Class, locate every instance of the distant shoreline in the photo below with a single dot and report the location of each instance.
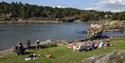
(29, 22)
(21, 21)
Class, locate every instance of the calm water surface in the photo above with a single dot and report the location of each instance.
(12, 33)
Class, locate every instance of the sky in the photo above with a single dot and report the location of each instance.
(99, 5)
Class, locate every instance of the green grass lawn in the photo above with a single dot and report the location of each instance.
(61, 54)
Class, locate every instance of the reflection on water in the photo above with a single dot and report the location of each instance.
(12, 33)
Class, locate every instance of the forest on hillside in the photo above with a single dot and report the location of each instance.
(18, 10)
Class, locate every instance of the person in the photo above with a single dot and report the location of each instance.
(92, 46)
(37, 44)
(28, 44)
(107, 43)
(101, 44)
(96, 45)
(20, 50)
(85, 47)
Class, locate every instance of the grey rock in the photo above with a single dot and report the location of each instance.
(104, 59)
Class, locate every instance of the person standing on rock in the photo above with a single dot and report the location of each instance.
(28, 44)
(37, 44)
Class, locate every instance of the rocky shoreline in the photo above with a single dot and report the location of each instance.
(6, 52)
(47, 42)
(11, 49)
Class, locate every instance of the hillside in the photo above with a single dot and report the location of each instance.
(24, 12)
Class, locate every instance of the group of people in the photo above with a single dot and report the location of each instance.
(20, 49)
(89, 46)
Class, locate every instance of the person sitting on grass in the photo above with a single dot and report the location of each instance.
(92, 47)
(101, 44)
(107, 43)
(20, 50)
(96, 45)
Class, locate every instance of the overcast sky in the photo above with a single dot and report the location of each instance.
(100, 5)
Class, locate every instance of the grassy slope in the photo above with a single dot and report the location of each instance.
(64, 55)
